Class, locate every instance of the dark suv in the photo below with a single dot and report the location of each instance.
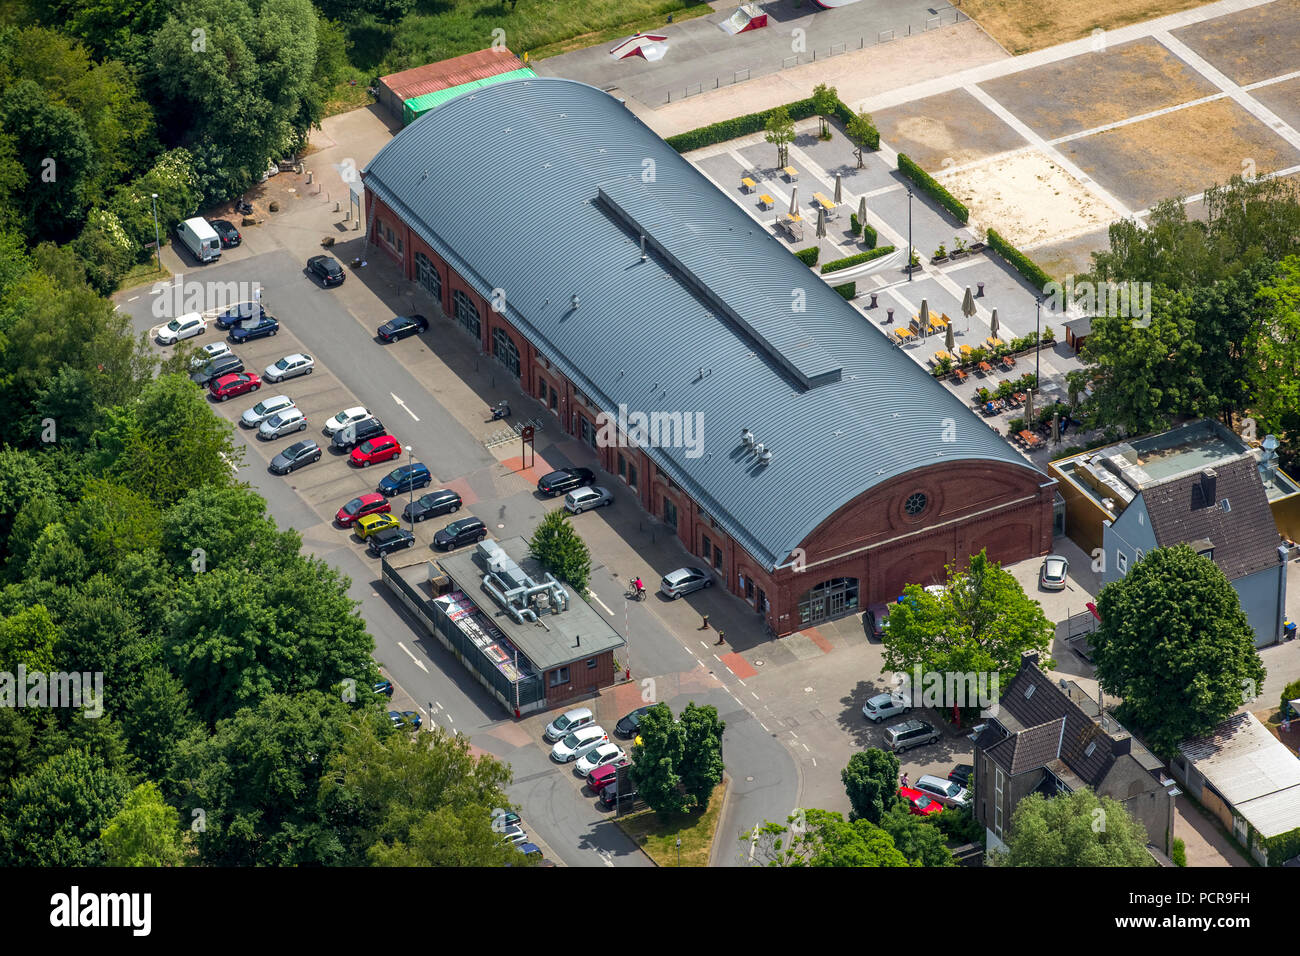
(460, 533)
(565, 480)
(388, 540)
(218, 367)
(350, 436)
(441, 502)
(238, 314)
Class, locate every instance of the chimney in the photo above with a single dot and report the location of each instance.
(1119, 746)
(1031, 658)
(1209, 485)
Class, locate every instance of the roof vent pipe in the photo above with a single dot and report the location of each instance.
(643, 255)
(747, 437)
(761, 449)
(575, 300)
(765, 456)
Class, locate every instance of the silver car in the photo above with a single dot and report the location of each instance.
(1052, 575)
(684, 581)
(584, 499)
(289, 367)
(281, 424)
(886, 705)
(947, 792)
(264, 410)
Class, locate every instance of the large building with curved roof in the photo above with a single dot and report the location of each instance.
(817, 468)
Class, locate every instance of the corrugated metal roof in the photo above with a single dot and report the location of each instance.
(447, 73)
(417, 106)
(503, 182)
(1245, 763)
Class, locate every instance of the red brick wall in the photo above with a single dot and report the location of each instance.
(581, 679)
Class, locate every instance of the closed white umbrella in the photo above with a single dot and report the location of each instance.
(794, 200)
(993, 322)
(950, 340)
(924, 318)
(862, 216)
(821, 223)
(968, 306)
(839, 188)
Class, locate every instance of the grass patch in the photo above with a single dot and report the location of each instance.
(1022, 26)
(618, 31)
(346, 97)
(659, 837)
(141, 274)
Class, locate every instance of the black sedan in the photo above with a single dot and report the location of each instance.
(961, 774)
(441, 502)
(247, 331)
(245, 310)
(396, 329)
(565, 480)
(627, 726)
(227, 233)
(388, 540)
(327, 269)
(295, 456)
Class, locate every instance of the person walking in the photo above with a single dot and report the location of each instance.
(902, 781)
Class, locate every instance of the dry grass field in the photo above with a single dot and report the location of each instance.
(1022, 26)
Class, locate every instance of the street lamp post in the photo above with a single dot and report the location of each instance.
(909, 234)
(1038, 340)
(410, 486)
(157, 237)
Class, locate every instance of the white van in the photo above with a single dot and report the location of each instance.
(200, 238)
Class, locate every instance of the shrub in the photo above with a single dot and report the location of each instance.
(738, 126)
(1015, 425)
(869, 236)
(1019, 261)
(809, 256)
(931, 187)
(1048, 334)
(1290, 692)
(837, 264)
(858, 126)
(848, 289)
(1179, 852)
(940, 253)
(855, 227)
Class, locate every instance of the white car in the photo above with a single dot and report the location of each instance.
(289, 367)
(1052, 575)
(186, 326)
(264, 410)
(282, 423)
(598, 757)
(584, 499)
(514, 834)
(349, 416)
(213, 350)
(947, 792)
(882, 706)
(577, 744)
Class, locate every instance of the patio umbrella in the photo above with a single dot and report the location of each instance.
(839, 188)
(950, 340)
(1029, 409)
(924, 318)
(821, 222)
(993, 322)
(794, 200)
(968, 307)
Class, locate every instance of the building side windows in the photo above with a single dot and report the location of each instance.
(559, 676)
(997, 802)
(1121, 562)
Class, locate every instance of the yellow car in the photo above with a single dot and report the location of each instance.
(369, 524)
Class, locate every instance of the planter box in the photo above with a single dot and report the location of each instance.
(935, 259)
(976, 247)
(958, 255)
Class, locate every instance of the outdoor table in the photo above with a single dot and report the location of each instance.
(960, 374)
(985, 367)
(902, 333)
(993, 342)
(748, 184)
(941, 355)
(967, 350)
(791, 174)
(1008, 361)
(937, 323)
(766, 201)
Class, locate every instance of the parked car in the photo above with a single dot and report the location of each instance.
(233, 316)
(876, 621)
(327, 269)
(227, 233)
(609, 794)
(578, 743)
(1051, 577)
(597, 757)
(264, 410)
(282, 423)
(350, 436)
(564, 480)
(385, 542)
(568, 722)
(628, 723)
(684, 581)
(349, 416)
(295, 456)
(373, 524)
(218, 367)
(182, 327)
(961, 774)
(529, 849)
(918, 803)
(198, 236)
(584, 499)
(460, 533)
(603, 775)
(384, 687)
(401, 480)
(371, 503)
(409, 719)
(945, 791)
(882, 706)
(291, 366)
(444, 501)
(504, 818)
(229, 386)
(383, 448)
(254, 329)
(208, 353)
(400, 327)
(909, 734)
(515, 834)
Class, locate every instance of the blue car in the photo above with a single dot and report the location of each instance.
(259, 329)
(232, 317)
(404, 479)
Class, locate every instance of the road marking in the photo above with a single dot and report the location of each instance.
(418, 663)
(743, 684)
(764, 726)
(591, 594)
(814, 761)
(403, 406)
(752, 694)
(794, 735)
(604, 855)
(133, 298)
(804, 746)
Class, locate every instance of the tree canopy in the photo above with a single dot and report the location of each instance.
(1074, 829)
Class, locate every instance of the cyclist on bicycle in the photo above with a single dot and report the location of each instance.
(640, 588)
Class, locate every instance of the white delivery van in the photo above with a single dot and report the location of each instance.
(200, 238)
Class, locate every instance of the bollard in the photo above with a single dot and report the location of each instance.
(309, 175)
(980, 293)
(873, 301)
(890, 316)
(337, 206)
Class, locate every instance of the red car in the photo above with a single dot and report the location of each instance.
(228, 386)
(370, 503)
(603, 775)
(919, 803)
(380, 448)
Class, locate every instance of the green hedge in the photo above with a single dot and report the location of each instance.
(809, 256)
(757, 123)
(848, 289)
(869, 236)
(1019, 261)
(930, 186)
(838, 264)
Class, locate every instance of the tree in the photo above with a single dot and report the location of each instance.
(102, 632)
(1275, 359)
(111, 520)
(560, 550)
(657, 759)
(919, 840)
(825, 100)
(780, 133)
(821, 838)
(981, 625)
(145, 832)
(871, 779)
(862, 131)
(1176, 645)
(53, 816)
(225, 525)
(27, 640)
(1074, 829)
(701, 764)
(57, 158)
(156, 719)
